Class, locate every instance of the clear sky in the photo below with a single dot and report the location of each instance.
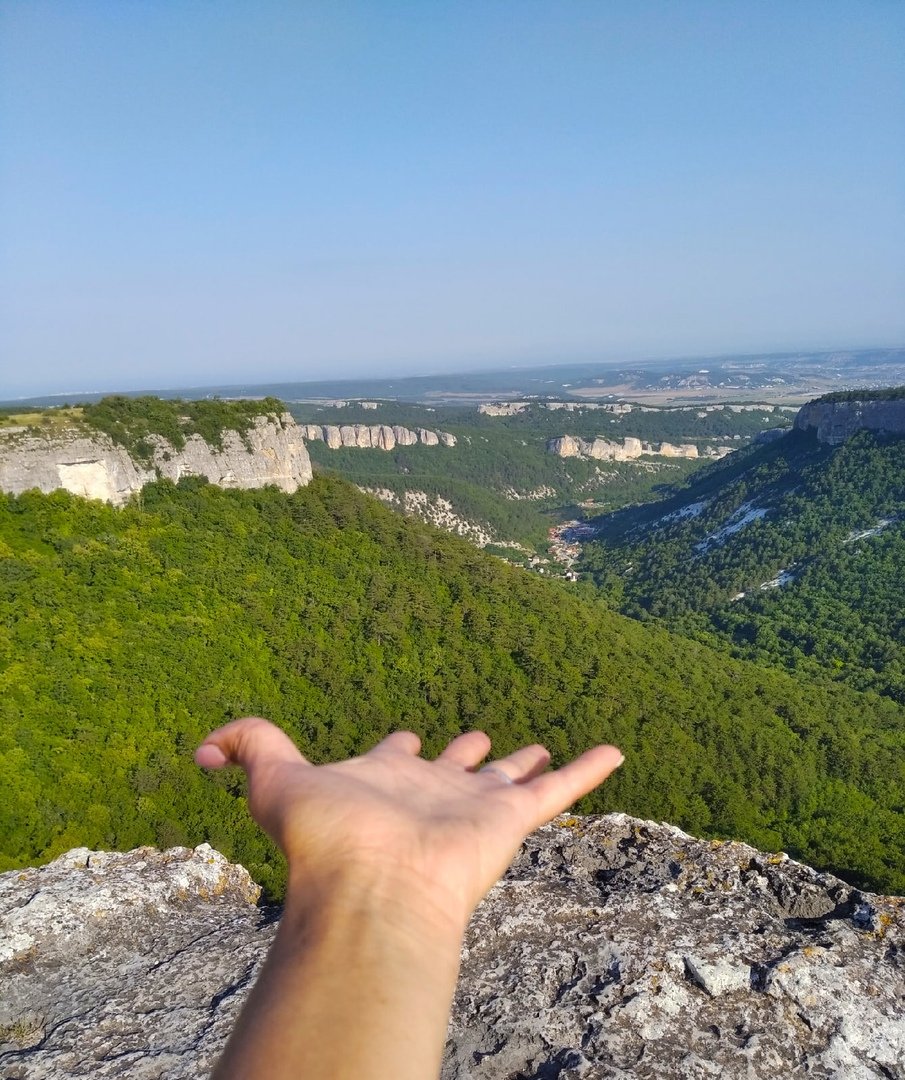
(204, 190)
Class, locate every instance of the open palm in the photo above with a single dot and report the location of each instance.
(445, 829)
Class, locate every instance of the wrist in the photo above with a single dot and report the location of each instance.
(384, 899)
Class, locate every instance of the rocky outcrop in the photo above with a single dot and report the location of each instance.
(619, 408)
(503, 408)
(771, 435)
(271, 452)
(437, 511)
(836, 421)
(614, 949)
(628, 449)
(375, 437)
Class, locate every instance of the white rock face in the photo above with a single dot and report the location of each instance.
(275, 454)
(629, 449)
(272, 452)
(376, 437)
(94, 468)
(614, 949)
(684, 450)
(71, 896)
(836, 421)
(503, 408)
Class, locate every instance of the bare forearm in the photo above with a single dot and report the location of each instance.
(350, 991)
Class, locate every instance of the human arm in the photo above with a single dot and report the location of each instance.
(388, 854)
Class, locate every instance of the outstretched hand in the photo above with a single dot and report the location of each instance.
(443, 831)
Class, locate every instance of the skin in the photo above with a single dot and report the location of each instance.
(388, 856)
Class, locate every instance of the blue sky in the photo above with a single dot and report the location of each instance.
(195, 191)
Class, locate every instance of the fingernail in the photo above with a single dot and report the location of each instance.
(620, 761)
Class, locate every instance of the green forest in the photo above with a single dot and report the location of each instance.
(500, 474)
(833, 526)
(127, 634)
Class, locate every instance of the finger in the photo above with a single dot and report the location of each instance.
(466, 750)
(248, 742)
(555, 791)
(399, 742)
(522, 765)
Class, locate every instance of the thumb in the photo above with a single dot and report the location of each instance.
(249, 742)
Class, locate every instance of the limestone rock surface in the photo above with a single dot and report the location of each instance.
(436, 510)
(271, 452)
(836, 421)
(614, 948)
(629, 449)
(375, 437)
(503, 408)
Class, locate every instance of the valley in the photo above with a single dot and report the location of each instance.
(515, 471)
(788, 553)
(762, 644)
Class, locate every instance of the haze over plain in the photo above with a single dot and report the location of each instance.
(203, 194)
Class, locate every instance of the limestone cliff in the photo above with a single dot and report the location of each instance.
(836, 421)
(90, 464)
(614, 949)
(627, 450)
(375, 436)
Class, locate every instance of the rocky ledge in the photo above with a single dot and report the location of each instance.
(375, 436)
(272, 451)
(628, 449)
(614, 948)
(836, 421)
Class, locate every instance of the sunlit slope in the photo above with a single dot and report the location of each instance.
(792, 554)
(127, 634)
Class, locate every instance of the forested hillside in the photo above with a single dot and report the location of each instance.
(127, 634)
(792, 553)
(500, 474)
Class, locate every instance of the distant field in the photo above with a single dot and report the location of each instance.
(45, 418)
(710, 395)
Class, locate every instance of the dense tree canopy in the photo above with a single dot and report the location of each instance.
(889, 393)
(814, 584)
(126, 634)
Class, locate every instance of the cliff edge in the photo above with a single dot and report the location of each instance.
(614, 948)
(834, 421)
(271, 451)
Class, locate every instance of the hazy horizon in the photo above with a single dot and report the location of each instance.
(264, 193)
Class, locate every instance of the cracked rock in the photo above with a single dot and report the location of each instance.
(614, 949)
